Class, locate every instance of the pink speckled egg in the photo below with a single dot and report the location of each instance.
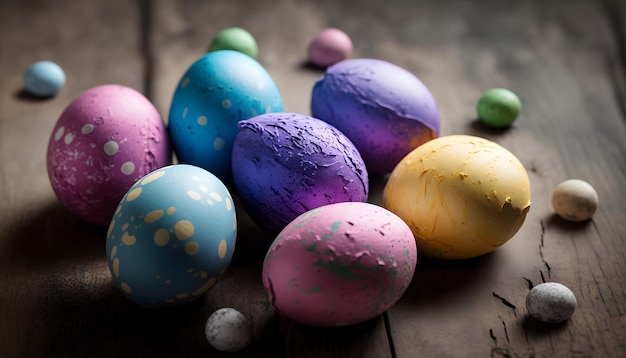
(104, 141)
(340, 264)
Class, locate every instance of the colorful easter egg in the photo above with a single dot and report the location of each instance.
(340, 264)
(172, 236)
(103, 142)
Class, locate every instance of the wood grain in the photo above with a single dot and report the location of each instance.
(565, 59)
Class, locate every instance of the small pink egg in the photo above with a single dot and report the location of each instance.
(328, 47)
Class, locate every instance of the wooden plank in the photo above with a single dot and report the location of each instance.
(182, 33)
(564, 59)
(57, 296)
(571, 127)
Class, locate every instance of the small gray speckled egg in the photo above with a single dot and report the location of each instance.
(575, 200)
(228, 330)
(551, 302)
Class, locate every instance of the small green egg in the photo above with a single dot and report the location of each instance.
(498, 107)
(237, 39)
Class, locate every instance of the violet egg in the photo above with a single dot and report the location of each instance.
(218, 90)
(172, 236)
(103, 142)
(340, 264)
(285, 164)
(385, 110)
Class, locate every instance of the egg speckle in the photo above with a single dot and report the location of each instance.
(340, 264)
(575, 200)
(463, 196)
(165, 248)
(551, 302)
(228, 330)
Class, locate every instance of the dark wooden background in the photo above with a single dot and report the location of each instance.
(565, 59)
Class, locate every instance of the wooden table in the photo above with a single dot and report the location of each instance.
(565, 59)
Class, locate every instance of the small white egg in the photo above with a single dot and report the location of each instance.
(575, 200)
(551, 302)
(228, 330)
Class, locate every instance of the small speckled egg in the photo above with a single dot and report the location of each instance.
(382, 108)
(498, 107)
(172, 236)
(551, 302)
(575, 200)
(329, 46)
(287, 163)
(237, 39)
(44, 79)
(103, 142)
(463, 196)
(340, 264)
(228, 330)
(217, 91)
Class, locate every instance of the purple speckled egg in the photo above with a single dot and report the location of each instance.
(340, 264)
(104, 141)
(385, 110)
(285, 164)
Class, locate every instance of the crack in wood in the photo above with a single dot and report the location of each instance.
(541, 236)
(530, 283)
(506, 332)
(389, 335)
(147, 51)
(618, 80)
(501, 352)
(493, 337)
(504, 301)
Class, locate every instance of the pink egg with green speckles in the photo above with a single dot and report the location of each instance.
(340, 264)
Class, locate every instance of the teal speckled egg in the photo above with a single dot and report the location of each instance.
(220, 89)
(172, 236)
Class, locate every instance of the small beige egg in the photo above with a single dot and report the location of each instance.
(575, 200)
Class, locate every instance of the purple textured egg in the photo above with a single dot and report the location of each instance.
(285, 164)
(104, 141)
(382, 108)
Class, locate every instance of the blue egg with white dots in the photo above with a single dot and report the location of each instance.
(215, 93)
(172, 236)
(44, 79)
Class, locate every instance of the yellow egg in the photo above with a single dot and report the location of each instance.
(462, 196)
